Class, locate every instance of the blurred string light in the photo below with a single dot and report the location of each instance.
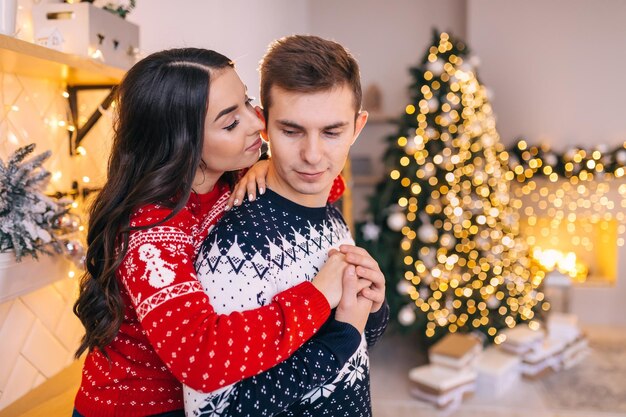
(575, 198)
(466, 266)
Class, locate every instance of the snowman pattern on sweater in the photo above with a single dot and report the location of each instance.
(254, 253)
(159, 273)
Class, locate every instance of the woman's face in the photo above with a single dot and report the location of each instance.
(232, 129)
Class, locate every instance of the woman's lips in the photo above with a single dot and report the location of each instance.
(255, 146)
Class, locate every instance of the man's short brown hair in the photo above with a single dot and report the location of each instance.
(308, 64)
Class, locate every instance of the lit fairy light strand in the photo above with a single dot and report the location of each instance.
(572, 200)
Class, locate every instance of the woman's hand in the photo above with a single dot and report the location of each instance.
(329, 278)
(248, 184)
(367, 269)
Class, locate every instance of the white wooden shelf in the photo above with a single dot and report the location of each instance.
(18, 278)
(25, 58)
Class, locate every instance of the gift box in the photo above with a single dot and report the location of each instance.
(548, 358)
(442, 386)
(522, 340)
(88, 31)
(563, 327)
(575, 352)
(455, 351)
(497, 371)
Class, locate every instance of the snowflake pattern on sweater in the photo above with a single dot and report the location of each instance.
(256, 251)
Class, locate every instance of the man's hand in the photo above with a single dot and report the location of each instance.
(367, 269)
(353, 308)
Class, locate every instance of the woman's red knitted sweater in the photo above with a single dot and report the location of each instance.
(170, 331)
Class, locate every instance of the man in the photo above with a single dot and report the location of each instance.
(311, 95)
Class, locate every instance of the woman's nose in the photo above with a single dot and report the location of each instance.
(256, 124)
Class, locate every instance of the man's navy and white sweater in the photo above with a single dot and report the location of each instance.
(256, 251)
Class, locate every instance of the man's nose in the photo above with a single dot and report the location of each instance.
(311, 151)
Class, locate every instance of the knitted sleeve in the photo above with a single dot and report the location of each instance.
(202, 349)
(271, 392)
(376, 324)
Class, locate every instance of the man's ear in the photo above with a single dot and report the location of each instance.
(359, 124)
(259, 114)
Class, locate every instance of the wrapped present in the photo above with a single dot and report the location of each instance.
(497, 371)
(575, 352)
(456, 351)
(442, 386)
(548, 358)
(522, 340)
(563, 327)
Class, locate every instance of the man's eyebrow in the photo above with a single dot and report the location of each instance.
(226, 111)
(295, 125)
(288, 123)
(336, 125)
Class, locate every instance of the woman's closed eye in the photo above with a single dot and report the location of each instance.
(232, 125)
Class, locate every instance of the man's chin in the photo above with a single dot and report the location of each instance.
(312, 188)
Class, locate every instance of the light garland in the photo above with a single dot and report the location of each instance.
(573, 201)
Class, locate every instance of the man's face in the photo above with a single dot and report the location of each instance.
(310, 135)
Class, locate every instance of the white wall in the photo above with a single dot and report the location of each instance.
(555, 68)
(387, 37)
(239, 29)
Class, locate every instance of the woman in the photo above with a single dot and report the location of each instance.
(184, 119)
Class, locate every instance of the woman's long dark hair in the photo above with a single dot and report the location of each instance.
(157, 149)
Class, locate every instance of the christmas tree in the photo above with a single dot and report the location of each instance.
(443, 224)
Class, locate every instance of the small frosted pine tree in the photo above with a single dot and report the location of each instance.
(27, 216)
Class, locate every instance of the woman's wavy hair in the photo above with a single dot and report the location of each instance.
(157, 149)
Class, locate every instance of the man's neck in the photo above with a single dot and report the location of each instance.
(281, 187)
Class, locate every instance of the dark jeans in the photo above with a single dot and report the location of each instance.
(176, 413)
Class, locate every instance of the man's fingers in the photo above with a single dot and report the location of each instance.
(345, 248)
(363, 283)
(374, 296)
(359, 256)
(375, 277)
